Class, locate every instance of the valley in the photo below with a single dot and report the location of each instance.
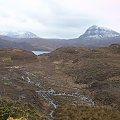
(59, 60)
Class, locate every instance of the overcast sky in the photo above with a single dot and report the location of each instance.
(58, 18)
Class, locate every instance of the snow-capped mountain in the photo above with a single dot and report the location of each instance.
(94, 36)
(96, 32)
(18, 34)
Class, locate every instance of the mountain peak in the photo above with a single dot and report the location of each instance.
(100, 32)
(18, 34)
(94, 26)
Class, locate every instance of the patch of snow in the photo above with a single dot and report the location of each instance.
(100, 32)
(18, 34)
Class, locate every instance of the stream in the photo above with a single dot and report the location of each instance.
(49, 94)
(46, 94)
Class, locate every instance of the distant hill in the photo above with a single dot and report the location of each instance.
(18, 34)
(96, 32)
(17, 54)
(96, 36)
(11, 44)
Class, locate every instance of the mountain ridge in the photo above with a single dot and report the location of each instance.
(94, 36)
(99, 32)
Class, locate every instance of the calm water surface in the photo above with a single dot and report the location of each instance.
(40, 52)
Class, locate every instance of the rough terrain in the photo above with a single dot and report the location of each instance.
(71, 75)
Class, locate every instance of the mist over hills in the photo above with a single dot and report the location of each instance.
(94, 36)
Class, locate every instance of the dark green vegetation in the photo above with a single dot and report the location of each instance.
(77, 112)
(17, 110)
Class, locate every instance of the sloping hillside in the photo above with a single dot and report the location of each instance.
(97, 69)
(73, 75)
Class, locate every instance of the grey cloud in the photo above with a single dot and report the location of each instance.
(56, 18)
